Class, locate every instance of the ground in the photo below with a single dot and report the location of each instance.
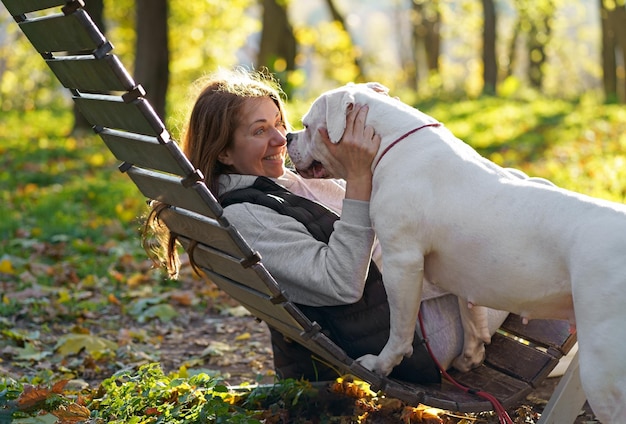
(218, 337)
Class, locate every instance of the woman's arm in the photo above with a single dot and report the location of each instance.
(311, 272)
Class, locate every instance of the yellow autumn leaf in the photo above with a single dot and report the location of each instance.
(64, 296)
(244, 336)
(136, 279)
(6, 267)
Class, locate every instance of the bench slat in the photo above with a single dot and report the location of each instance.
(257, 302)
(551, 334)
(207, 231)
(230, 267)
(63, 33)
(147, 152)
(529, 364)
(88, 73)
(112, 112)
(19, 7)
(169, 189)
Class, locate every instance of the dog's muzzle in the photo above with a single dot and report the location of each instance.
(290, 137)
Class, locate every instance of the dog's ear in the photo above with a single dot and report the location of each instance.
(337, 106)
(377, 87)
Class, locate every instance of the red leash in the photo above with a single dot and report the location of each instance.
(503, 416)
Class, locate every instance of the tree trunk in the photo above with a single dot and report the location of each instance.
(510, 68)
(538, 37)
(433, 37)
(617, 23)
(490, 64)
(426, 36)
(277, 50)
(152, 52)
(609, 63)
(95, 9)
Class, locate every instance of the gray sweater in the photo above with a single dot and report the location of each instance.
(311, 272)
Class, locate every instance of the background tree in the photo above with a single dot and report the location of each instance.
(277, 50)
(152, 51)
(534, 22)
(490, 64)
(613, 23)
(425, 36)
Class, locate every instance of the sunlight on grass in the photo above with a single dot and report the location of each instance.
(578, 146)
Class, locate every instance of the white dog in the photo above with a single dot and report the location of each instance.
(443, 212)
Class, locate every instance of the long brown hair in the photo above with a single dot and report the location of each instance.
(209, 131)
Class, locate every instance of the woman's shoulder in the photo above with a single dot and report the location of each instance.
(230, 182)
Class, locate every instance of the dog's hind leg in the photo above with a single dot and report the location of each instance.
(476, 334)
(599, 301)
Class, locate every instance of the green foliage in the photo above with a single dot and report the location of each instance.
(151, 396)
(148, 395)
(577, 145)
(26, 83)
(332, 51)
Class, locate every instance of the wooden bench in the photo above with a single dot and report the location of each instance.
(519, 357)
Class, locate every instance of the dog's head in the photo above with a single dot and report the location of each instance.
(306, 148)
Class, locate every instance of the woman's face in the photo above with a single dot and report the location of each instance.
(259, 145)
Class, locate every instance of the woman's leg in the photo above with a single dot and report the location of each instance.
(443, 328)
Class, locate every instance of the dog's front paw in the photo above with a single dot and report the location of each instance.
(469, 360)
(374, 364)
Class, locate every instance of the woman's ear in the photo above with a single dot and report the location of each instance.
(225, 158)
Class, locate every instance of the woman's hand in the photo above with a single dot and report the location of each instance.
(356, 151)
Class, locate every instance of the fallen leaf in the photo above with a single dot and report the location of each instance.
(183, 298)
(71, 344)
(6, 266)
(163, 312)
(244, 336)
(33, 397)
(30, 353)
(72, 413)
(59, 386)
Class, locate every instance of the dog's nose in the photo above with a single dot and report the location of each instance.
(289, 138)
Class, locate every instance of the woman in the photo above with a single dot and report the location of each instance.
(325, 263)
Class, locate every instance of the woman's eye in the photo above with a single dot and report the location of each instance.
(259, 131)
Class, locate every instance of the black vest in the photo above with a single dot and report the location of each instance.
(359, 328)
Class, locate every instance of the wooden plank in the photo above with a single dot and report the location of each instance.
(259, 303)
(169, 189)
(507, 389)
(207, 231)
(229, 267)
(19, 7)
(147, 152)
(88, 73)
(61, 33)
(554, 334)
(112, 112)
(530, 364)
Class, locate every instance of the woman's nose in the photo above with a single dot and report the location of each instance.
(279, 138)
